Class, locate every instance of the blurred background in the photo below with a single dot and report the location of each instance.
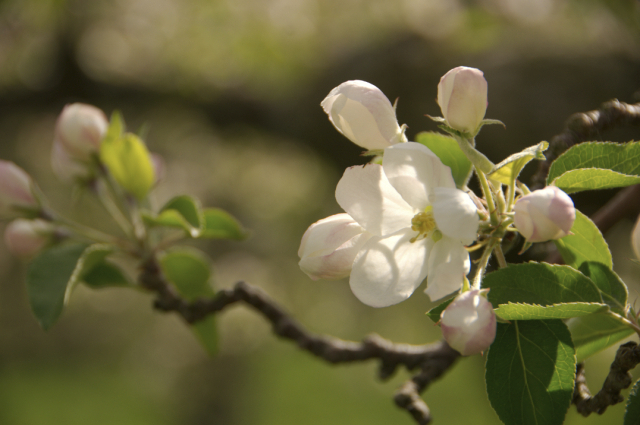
(229, 94)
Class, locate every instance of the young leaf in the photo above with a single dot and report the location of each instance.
(509, 169)
(586, 244)
(184, 212)
(519, 311)
(540, 283)
(621, 158)
(632, 412)
(530, 372)
(94, 270)
(447, 149)
(129, 162)
(106, 275)
(593, 179)
(189, 271)
(219, 224)
(594, 333)
(47, 278)
(614, 291)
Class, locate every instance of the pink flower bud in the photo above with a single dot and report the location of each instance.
(469, 323)
(544, 214)
(25, 238)
(80, 129)
(329, 247)
(15, 189)
(363, 114)
(462, 96)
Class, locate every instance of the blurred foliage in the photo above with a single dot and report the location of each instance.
(229, 91)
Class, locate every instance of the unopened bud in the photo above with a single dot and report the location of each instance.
(16, 189)
(545, 214)
(329, 247)
(469, 323)
(462, 96)
(363, 114)
(25, 238)
(64, 166)
(80, 129)
(635, 239)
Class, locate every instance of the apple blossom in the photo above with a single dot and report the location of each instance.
(462, 96)
(25, 238)
(469, 324)
(80, 129)
(635, 239)
(16, 189)
(330, 245)
(363, 114)
(544, 214)
(419, 223)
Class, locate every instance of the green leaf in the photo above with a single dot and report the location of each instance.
(106, 275)
(596, 332)
(632, 412)
(540, 283)
(447, 149)
(621, 158)
(184, 212)
(189, 271)
(530, 372)
(47, 278)
(614, 291)
(129, 162)
(509, 169)
(94, 270)
(593, 179)
(519, 311)
(116, 128)
(586, 244)
(219, 224)
(435, 312)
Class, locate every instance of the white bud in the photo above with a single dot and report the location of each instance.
(469, 323)
(363, 114)
(462, 96)
(80, 129)
(544, 215)
(635, 239)
(65, 166)
(25, 238)
(329, 247)
(16, 189)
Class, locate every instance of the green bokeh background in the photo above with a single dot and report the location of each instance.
(228, 93)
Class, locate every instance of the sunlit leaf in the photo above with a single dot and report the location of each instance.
(510, 168)
(530, 372)
(585, 244)
(593, 179)
(518, 311)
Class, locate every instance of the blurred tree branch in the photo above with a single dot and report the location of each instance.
(432, 360)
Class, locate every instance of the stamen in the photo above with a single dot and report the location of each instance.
(423, 223)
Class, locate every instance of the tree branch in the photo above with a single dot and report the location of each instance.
(583, 126)
(432, 360)
(619, 378)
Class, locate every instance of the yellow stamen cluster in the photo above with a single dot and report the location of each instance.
(423, 223)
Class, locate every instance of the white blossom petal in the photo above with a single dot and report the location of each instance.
(414, 171)
(456, 215)
(448, 264)
(367, 196)
(388, 270)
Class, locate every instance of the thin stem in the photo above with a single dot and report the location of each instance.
(488, 196)
(88, 232)
(511, 195)
(502, 262)
(482, 264)
(113, 209)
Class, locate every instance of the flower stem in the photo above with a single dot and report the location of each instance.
(502, 262)
(482, 264)
(488, 196)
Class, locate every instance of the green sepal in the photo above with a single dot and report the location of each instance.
(508, 170)
(446, 148)
(189, 271)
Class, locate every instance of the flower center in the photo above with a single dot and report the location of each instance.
(423, 223)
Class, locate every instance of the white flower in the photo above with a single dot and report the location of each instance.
(25, 238)
(80, 129)
(544, 214)
(462, 96)
(363, 114)
(330, 245)
(469, 324)
(420, 223)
